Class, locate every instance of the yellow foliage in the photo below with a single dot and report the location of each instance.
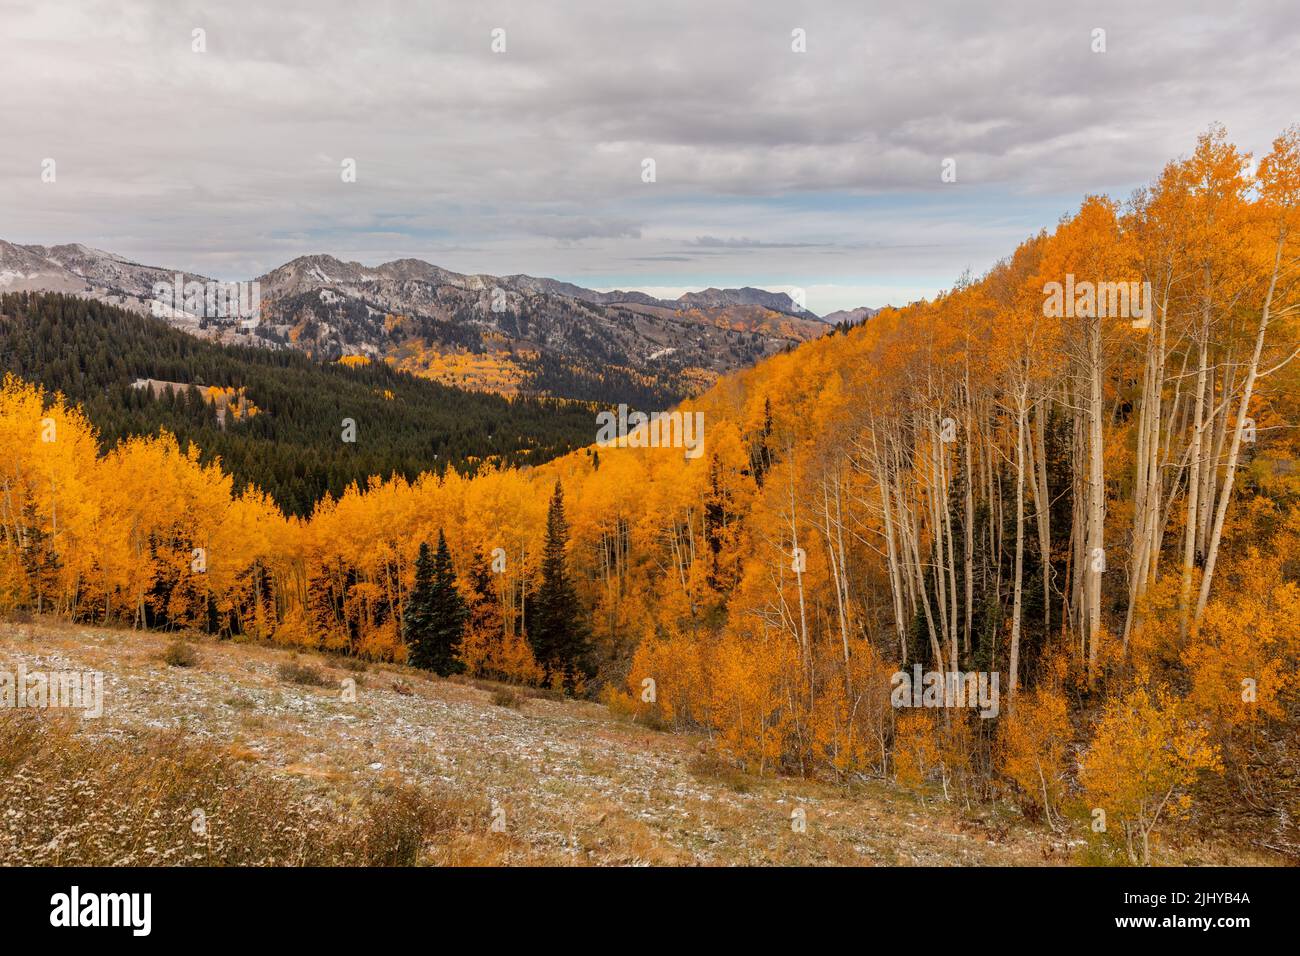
(1144, 757)
(916, 748)
(1033, 748)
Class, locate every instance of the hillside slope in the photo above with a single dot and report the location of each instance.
(576, 786)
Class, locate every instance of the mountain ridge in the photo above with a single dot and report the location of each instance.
(508, 334)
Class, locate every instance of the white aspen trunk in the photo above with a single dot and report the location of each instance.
(937, 542)
(952, 564)
(1147, 511)
(922, 595)
(1213, 445)
(1096, 495)
(1212, 553)
(1193, 486)
(1014, 665)
(895, 575)
(969, 542)
(836, 575)
(1043, 507)
(803, 612)
(844, 565)
(1078, 536)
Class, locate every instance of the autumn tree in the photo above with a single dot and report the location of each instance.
(1144, 757)
(480, 650)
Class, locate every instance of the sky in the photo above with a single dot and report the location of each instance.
(818, 169)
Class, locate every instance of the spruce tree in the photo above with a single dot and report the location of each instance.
(435, 612)
(556, 629)
(417, 614)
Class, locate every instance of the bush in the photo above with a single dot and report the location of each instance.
(1033, 749)
(708, 767)
(507, 697)
(181, 653)
(1145, 755)
(298, 673)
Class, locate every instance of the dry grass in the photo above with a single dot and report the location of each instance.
(158, 798)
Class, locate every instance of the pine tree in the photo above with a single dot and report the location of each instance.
(435, 612)
(557, 631)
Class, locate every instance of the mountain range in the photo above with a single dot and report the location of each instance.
(505, 334)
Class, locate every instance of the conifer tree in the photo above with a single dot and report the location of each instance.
(557, 631)
(435, 612)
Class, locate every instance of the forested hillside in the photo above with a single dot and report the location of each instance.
(293, 449)
(1100, 506)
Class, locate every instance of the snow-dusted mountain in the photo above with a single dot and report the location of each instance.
(94, 274)
(78, 268)
(504, 333)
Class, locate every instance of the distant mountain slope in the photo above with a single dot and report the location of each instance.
(721, 298)
(849, 317)
(524, 333)
(293, 446)
(89, 273)
(513, 334)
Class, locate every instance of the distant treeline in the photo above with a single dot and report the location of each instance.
(293, 449)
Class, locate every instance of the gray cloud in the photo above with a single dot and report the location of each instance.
(572, 228)
(713, 242)
(822, 166)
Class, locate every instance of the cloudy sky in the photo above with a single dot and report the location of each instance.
(819, 170)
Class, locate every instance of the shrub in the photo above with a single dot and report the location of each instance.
(1033, 752)
(507, 697)
(1143, 759)
(298, 673)
(181, 653)
(710, 768)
